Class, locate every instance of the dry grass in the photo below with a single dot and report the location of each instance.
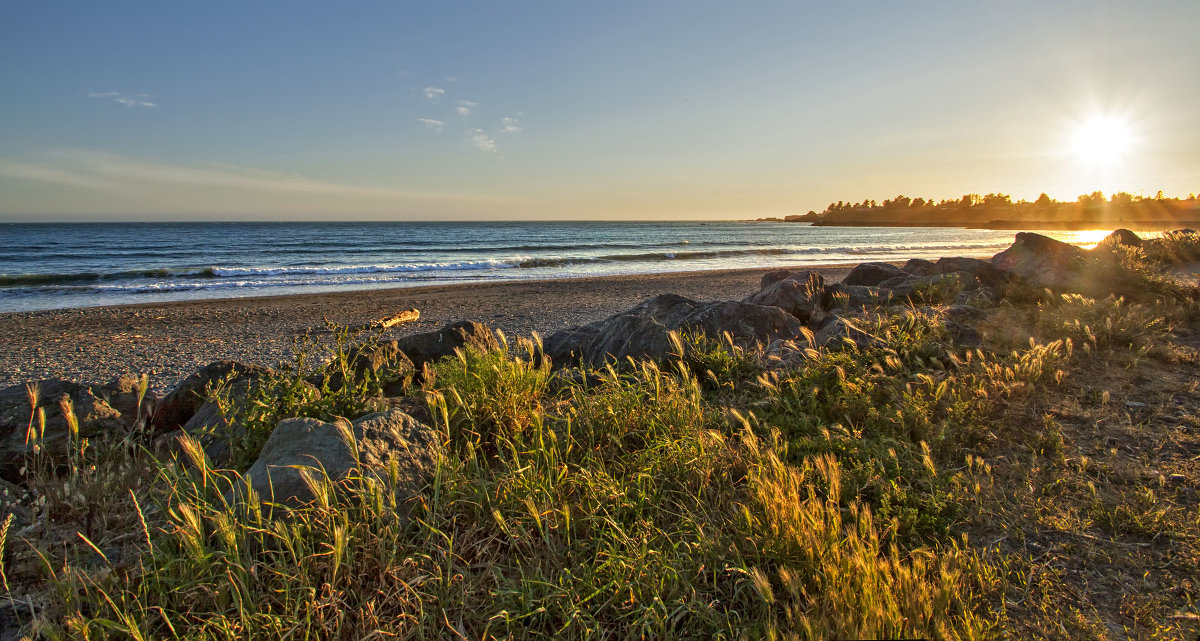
(1043, 485)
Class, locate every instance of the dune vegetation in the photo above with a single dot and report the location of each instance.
(1040, 483)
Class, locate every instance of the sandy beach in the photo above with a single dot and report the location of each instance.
(169, 340)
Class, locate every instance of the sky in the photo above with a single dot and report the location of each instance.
(668, 110)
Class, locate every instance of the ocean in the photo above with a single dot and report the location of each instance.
(51, 266)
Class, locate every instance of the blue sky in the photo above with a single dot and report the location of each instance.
(552, 110)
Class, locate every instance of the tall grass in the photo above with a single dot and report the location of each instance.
(703, 497)
(632, 505)
(342, 385)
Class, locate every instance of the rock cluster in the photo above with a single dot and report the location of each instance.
(643, 332)
(793, 311)
(33, 417)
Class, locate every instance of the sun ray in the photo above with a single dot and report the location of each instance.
(1103, 140)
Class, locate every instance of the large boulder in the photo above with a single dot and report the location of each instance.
(962, 334)
(957, 313)
(643, 332)
(843, 297)
(122, 394)
(918, 266)
(17, 440)
(948, 264)
(770, 278)
(799, 294)
(430, 347)
(935, 288)
(217, 433)
(384, 360)
(177, 408)
(840, 333)
(384, 444)
(214, 431)
(1120, 238)
(1042, 261)
(784, 353)
(982, 271)
(872, 274)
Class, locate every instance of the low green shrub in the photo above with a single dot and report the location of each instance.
(341, 389)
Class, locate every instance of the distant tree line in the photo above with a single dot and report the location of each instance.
(1000, 210)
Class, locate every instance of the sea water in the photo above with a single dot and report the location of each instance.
(48, 266)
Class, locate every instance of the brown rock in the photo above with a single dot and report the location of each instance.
(177, 408)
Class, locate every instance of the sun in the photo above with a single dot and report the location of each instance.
(1102, 140)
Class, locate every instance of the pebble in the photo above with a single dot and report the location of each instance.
(94, 345)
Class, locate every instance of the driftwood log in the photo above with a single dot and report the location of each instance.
(406, 316)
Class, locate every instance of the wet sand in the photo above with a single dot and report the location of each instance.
(170, 340)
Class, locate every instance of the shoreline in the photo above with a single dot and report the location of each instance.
(169, 340)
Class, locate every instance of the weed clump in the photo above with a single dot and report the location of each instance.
(341, 386)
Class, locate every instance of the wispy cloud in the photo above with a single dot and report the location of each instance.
(100, 171)
(49, 173)
(465, 106)
(433, 93)
(510, 125)
(129, 100)
(482, 140)
(430, 123)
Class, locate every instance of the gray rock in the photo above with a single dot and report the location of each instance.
(215, 433)
(384, 360)
(963, 313)
(976, 297)
(799, 294)
(16, 411)
(177, 408)
(386, 443)
(854, 297)
(429, 347)
(121, 394)
(784, 353)
(16, 620)
(643, 332)
(1042, 261)
(210, 428)
(840, 333)
(962, 334)
(770, 278)
(950, 264)
(14, 500)
(981, 272)
(872, 274)
(918, 267)
(16, 442)
(934, 288)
